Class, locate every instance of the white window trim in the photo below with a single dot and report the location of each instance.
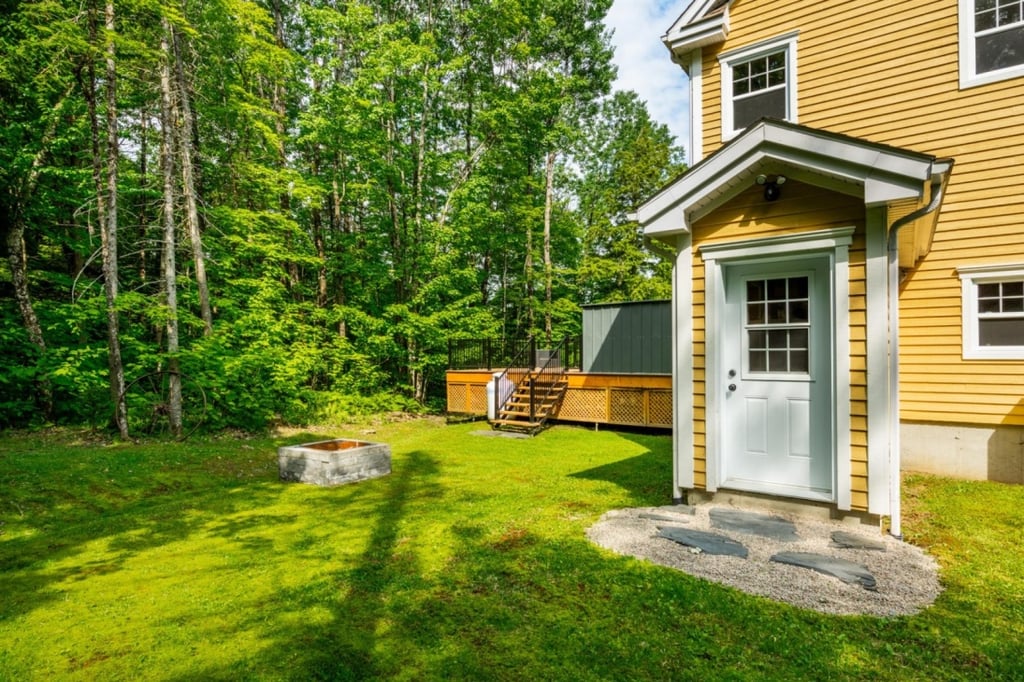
(970, 277)
(726, 61)
(968, 76)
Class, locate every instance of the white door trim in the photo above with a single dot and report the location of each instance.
(833, 244)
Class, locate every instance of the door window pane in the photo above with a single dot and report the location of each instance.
(778, 325)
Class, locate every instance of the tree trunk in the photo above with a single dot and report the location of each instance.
(548, 201)
(19, 278)
(108, 229)
(528, 267)
(168, 267)
(280, 127)
(142, 207)
(188, 186)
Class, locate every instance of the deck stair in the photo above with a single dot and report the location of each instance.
(536, 384)
(532, 403)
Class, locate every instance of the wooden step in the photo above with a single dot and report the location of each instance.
(512, 422)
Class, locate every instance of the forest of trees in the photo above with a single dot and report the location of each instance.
(295, 204)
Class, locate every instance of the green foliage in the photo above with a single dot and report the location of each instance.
(370, 183)
(17, 380)
(624, 159)
(469, 561)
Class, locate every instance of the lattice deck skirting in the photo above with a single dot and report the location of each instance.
(467, 398)
(632, 404)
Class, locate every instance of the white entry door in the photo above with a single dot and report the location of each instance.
(776, 366)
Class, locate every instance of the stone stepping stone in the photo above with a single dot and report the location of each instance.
(847, 571)
(751, 523)
(711, 543)
(679, 514)
(665, 518)
(845, 540)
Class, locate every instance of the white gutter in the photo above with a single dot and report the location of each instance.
(940, 174)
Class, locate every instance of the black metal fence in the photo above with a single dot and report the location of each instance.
(497, 354)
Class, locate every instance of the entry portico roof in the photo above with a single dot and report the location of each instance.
(880, 174)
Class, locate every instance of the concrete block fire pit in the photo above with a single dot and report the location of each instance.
(333, 462)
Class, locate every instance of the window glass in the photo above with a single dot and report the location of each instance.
(759, 81)
(993, 310)
(759, 89)
(778, 325)
(1001, 313)
(999, 34)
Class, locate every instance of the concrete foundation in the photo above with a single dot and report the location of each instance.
(816, 511)
(969, 452)
(333, 462)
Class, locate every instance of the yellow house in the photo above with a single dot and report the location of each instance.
(849, 283)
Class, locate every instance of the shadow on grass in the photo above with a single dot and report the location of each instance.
(136, 498)
(647, 477)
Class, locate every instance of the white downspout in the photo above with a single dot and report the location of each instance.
(938, 190)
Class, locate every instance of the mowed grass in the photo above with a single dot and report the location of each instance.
(191, 562)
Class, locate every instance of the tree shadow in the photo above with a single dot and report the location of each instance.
(133, 498)
(1006, 449)
(345, 647)
(647, 477)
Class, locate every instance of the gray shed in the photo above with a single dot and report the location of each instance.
(628, 338)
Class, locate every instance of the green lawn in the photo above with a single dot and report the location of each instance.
(185, 562)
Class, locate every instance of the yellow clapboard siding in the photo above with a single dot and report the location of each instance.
(979, 373)
(859, 453)
(927, 415)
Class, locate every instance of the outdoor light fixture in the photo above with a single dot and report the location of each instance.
(772, 188)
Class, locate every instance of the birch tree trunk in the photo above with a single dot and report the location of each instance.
(548, 201)
(168, 267)
(188, 184)
(108, 231)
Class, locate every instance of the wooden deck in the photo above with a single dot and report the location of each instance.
(619, 399)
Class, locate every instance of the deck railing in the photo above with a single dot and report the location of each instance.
(497, 354)
(549, 374)
(519, 368)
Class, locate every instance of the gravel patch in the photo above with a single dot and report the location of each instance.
(906, 578)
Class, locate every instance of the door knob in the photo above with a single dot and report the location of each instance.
(732, 387)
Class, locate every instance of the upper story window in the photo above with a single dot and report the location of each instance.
(759, 81)
(993, 312)
(991, 40)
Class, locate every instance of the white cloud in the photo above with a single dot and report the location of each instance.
(644, 63)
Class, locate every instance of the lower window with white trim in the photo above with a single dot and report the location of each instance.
(993, 311)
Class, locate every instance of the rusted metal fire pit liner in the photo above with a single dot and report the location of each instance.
(333, 462)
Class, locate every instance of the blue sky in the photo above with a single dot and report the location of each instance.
(644, 63)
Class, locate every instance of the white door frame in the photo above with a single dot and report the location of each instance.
(834, 245)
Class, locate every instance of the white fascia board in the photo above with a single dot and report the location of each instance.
(695, 9)
(666, 224)
(884, 174)
(888, 161)
(710, 31)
